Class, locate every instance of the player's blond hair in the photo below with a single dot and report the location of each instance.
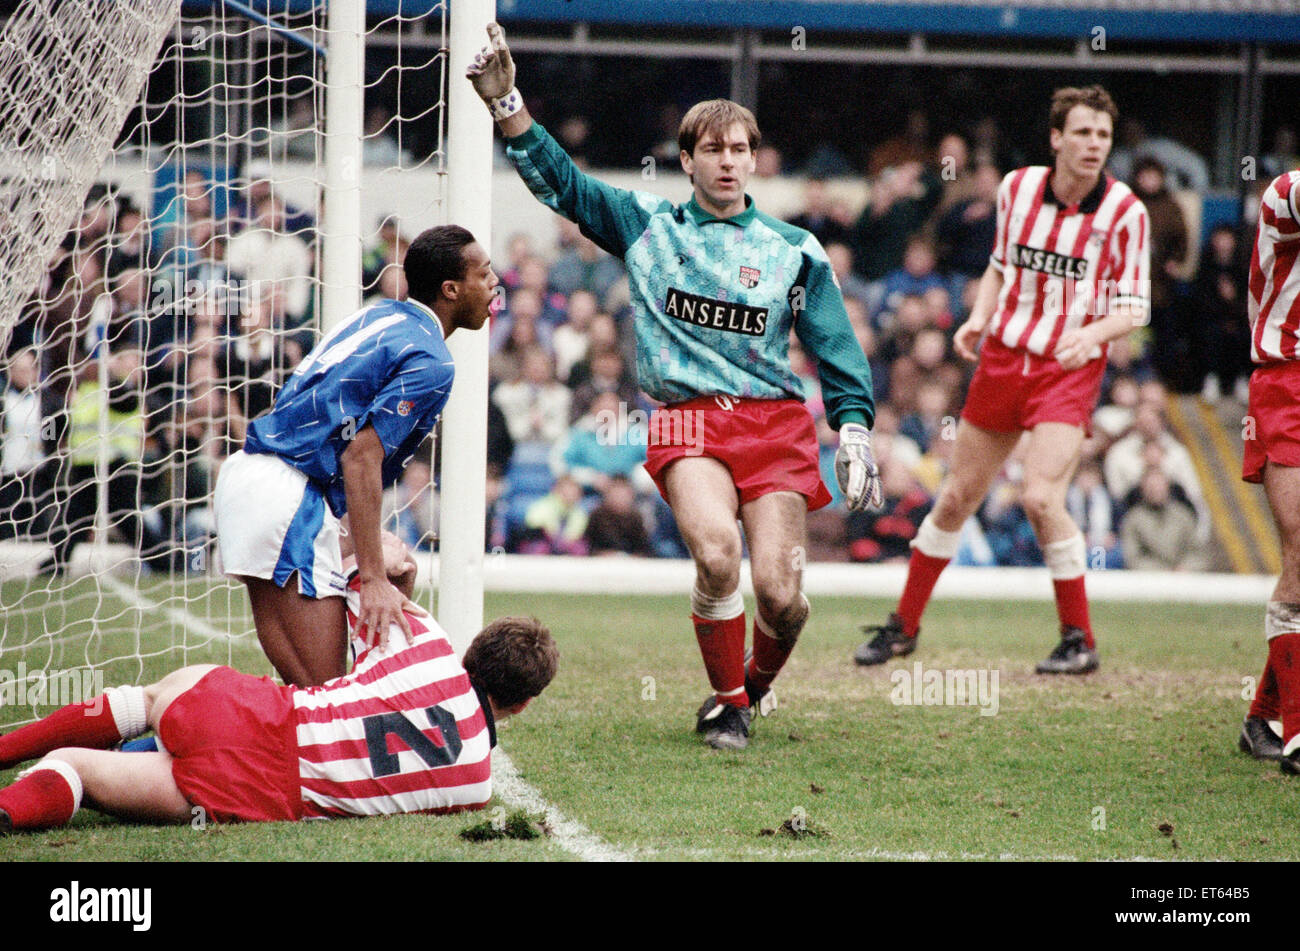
(1094, 97)
(715, 116)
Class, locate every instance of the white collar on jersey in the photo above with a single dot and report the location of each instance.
(429, 311)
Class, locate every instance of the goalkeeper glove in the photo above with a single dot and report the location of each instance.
(856, 470)
(492, 74)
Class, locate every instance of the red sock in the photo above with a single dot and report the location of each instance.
(1265, 704)
(43, 799)
(90, 724)
(722, 644)
(922, 573)
(1072, 606)
(1284, 660)
(769, 657)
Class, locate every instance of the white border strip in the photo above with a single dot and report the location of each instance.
(565, 575)
(620, 576)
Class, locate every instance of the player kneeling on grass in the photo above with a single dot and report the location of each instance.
(410, 729)
(312, 472)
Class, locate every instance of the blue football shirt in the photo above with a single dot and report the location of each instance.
(387, 366)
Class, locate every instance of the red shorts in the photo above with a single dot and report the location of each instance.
(1274, 411)
(1014, 390)
(767, 445)
(234, 745)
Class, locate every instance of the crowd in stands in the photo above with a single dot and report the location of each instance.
(154, 339)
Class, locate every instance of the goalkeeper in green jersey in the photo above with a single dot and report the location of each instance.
(717, 286)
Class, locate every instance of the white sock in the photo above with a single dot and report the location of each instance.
(933, 541)
(717, 609)
(1067, 558)
(127, 706)
(1282, 617)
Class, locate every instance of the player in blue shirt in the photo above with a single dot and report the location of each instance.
(306, 489)
(717, 287)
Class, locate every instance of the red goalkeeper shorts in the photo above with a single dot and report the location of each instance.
(766, 445)
(1014, 390)
(1271, 432)
(234, 747)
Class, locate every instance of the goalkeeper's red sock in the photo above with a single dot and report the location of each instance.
(720, 631)
(1284, 660)
(44, 797)
(116, 714)
(771, 652)
(1265, 705)
(932, 549)
(769, 657)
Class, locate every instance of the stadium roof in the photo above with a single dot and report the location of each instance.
(1272, 21)
(1263, 20)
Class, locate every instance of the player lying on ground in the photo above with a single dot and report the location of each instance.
(1069, 273)
(1272, 456)
(343, 427)
(411, 729)
(717, 287)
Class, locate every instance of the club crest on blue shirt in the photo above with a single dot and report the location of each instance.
(749, 276)
(404, 407)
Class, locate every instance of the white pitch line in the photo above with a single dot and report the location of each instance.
(179, 615)
(889, 855)
(569, 834)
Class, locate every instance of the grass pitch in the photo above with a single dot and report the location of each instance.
(1136, 761)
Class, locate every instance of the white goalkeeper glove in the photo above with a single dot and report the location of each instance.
(492, 74)
(856, 470)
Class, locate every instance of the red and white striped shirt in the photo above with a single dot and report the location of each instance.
(1065, 266)
(405, 731)
(1275, 275)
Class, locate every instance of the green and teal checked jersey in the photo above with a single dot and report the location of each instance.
(715, 298)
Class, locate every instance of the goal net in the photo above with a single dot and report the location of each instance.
(162, 194)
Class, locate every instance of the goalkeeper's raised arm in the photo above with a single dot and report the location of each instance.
(611, 217)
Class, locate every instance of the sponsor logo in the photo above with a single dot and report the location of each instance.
(749, 276)
(1048, 262)
(404, 407)
(716, 314)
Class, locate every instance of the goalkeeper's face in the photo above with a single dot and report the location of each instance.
(720, 168)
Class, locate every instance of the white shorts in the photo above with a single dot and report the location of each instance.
(271, 522)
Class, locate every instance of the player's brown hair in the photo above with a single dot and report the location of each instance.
(1094, 97)
(715, 116)
(513, 659)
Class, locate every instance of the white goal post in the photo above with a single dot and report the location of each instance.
(187, 196)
